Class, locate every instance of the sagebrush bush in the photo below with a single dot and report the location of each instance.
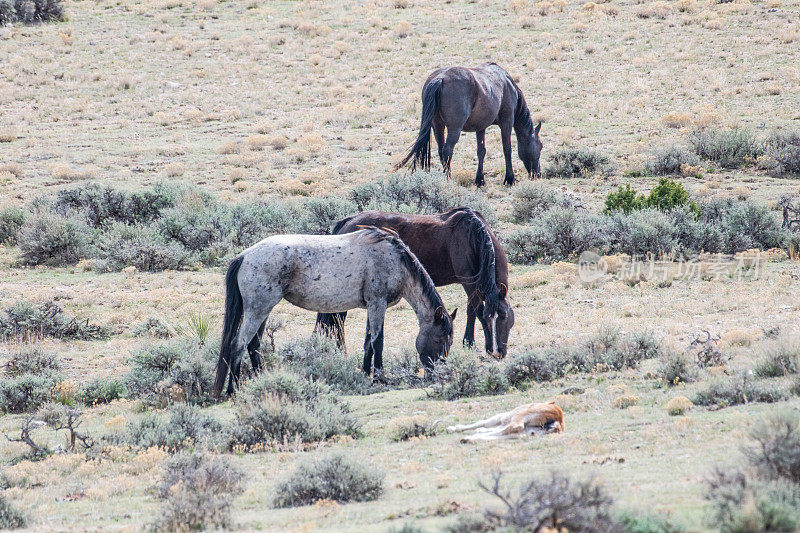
(30, 11)
(144, 248)
(103, 205)
(462, 375)
(28, 377)
(49, 239)
(418, 192)
(319, 359)
(774, 448)
(576, 162)
(197, 491)
(178, 427)
(732, 148)
(279, 406)
(335, 477)
(738, 390)
(633, 522)
(26, 322)
(413, 427)
(749, 225)
(102, 390)
(783, 151)
(185, 367)
(10, 516)
(675, 368)
(533, 198)
(552, 501)
(780, 358)
(11, 221)
(669, 160)
(322, 213)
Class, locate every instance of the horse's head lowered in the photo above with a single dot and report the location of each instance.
(436, 337)
(498, 327)
(530, 149)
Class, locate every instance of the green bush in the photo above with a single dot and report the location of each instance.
(669, 160)
(11, 221)
(10, 516)
(577, 162)
(783, 151)
(738, 390)
(632, 522)
(278, 407)
(319, 359)
(25, 322)
(197, 491)
(728, 148)
(665, 196)
(49, 239)
(28, 377)
(336, 477)
(102, 390)
(179, 427)
(624, 199)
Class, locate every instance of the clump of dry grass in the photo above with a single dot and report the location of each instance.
(658, 9)
(174, 169)
(12, 168)
(625, 401)
(402, 30)
(65, 172)
(678, 405)
(257, 142)
(677, 120)
(230, 147)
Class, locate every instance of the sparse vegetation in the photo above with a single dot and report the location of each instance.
(738, 390)
(197, 491)
(29, 376)
(23, 321)
(10, 516)
(413, 427)
(670, 160)
(30, 11)
(335, 477)
(179, 427)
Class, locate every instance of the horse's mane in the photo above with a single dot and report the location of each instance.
(522, 115)
(409, 260)
(482, 243)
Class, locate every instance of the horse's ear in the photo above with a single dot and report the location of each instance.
(438, 315)
(502, 291)
(537, 128)
(453, 315)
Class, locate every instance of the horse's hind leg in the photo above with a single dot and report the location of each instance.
(376, 311)
(453, 134)
(367, 351)
(438, 134)
(480, 137)
(254, 346)
(254, 317)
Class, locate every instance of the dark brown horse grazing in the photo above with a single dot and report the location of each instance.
(454, 247)
(472, 99)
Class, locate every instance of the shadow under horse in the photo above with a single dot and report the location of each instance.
(454, 247)
(472, 99)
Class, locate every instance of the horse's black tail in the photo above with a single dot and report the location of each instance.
(331, 325)
(420, 153)
(234, 310)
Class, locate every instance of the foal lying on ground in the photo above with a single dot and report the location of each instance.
(531, 419)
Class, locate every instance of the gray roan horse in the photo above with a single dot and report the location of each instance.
(369, 269)
(472, 99)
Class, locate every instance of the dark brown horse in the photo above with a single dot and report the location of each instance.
(454, 247)
(472, 99)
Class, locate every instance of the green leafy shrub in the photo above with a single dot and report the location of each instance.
(624, 199)
(577, 162)
(336, 477)
(11, 221)
(738, 390)
(102, 390)
(665, 196)
(669, 160)
(179, 427)
(783, 151)
(676, 368)
(10, 516)
(49, 239)
(418, 192)
(26, 322)
(278, 407)
(728, 148)
(28, 377)
(319, 359)
(197, 491)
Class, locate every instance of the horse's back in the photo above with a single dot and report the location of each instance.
(472, 97)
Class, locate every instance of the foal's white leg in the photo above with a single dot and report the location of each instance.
(488, 423)
(493, 434)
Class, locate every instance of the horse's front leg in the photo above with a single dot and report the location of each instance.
(376, 312)
(505, 135)
(469, 331)
(480, 137)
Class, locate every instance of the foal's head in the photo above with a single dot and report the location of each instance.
(436, 337)
(530, 148)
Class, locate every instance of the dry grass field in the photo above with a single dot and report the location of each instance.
(259, 100)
